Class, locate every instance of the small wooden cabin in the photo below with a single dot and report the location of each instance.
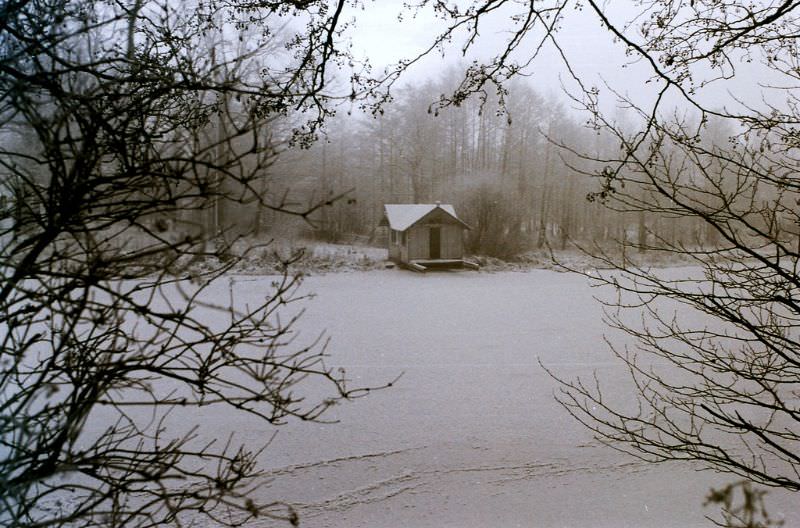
(422, 236)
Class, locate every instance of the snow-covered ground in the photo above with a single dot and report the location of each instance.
(312, 257)
(471, 434)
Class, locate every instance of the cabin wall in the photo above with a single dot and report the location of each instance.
(418, 246)
(403, 246)
(418, 243)
(394, 239)
(452, 242)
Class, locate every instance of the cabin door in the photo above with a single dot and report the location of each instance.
(435, 239)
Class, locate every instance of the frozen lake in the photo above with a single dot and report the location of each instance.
(471, 434)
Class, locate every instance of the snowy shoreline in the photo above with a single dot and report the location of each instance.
(316, 258)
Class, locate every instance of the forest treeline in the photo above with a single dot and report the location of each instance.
(519, 167)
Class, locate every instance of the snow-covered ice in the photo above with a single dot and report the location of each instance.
(470, 435)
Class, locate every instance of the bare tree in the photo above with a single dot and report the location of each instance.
(727, 331)
(109, 174)
(726, 337)
(715, 361)
(107, 137)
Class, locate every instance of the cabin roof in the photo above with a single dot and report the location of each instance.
(402, 216)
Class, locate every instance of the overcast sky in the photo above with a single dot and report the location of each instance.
(591, 51)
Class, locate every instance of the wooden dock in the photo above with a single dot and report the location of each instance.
(423, 265)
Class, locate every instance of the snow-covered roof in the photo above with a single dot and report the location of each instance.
(402, 216)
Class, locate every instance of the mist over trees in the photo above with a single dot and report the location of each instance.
(140, 139)
(505, 167)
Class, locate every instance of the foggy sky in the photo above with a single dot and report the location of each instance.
(590, 49)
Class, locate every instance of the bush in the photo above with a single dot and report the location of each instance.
(497, 223)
